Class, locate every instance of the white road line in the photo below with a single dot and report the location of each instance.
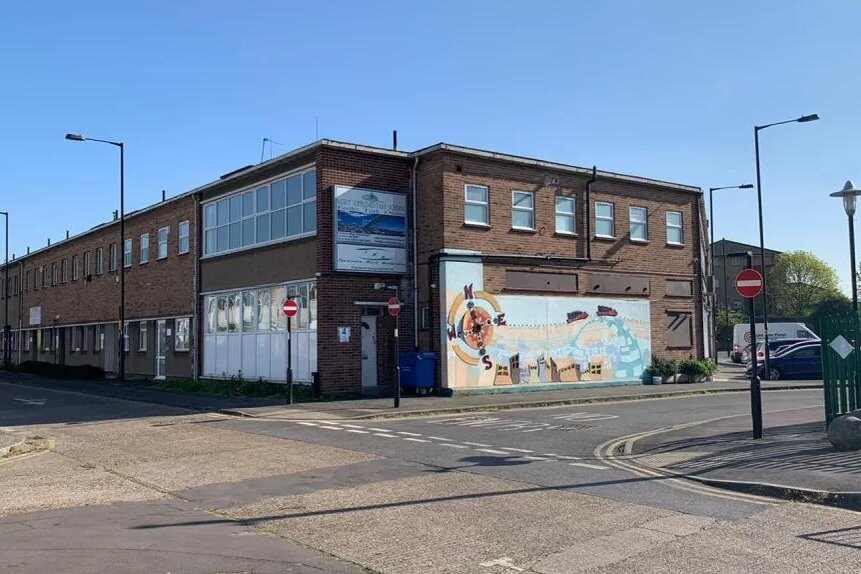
(491, 451)
(516, 449)
(409, 433)
(584, 465)
(452, 445)
(358, 431)
(476, 443)
(416, 439)
(378, 430)
(439, 438)
(329, 427)
(309, 424)
(527, 457)
(564, 457)
(386, 435)
(533, 430)
(351, 426)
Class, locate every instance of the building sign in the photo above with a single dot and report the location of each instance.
(343, 334)
(36, 315)
(370, 230)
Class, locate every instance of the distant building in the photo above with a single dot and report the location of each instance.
(728, 265)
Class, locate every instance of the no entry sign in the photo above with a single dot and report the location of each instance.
(289, 307)
(748, 283)
(394, 306)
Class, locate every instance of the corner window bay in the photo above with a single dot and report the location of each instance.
(245, 333)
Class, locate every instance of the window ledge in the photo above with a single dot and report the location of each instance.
(565, 234)
(476, 225)
(676, 245)
(640, 241)
(604, 238)
(524, 230)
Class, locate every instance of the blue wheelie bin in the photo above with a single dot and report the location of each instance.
(418, 371)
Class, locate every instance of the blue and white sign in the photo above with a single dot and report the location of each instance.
(370, 230)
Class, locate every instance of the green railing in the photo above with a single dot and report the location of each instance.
(841, 362)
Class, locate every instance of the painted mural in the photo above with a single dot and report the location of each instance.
(500, 340)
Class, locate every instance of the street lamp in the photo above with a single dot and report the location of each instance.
(756, 130)
(121, 346)
(712, 191)
(6, 327)
(849, 193)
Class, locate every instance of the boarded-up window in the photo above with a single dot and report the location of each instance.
(529, 281)
(679, 288)
(679, 330)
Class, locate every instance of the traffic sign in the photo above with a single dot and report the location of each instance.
(748, 283)
(289, 307)
(394, 306)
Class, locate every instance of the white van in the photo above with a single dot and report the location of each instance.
(741, 335)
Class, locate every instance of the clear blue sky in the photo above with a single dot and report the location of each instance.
(668, 90)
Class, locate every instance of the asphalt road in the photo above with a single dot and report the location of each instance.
(551, 448)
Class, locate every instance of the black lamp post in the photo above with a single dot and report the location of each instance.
(756, 130)
(121, 346)
(712, 191)
(849, 193)
(6, 327)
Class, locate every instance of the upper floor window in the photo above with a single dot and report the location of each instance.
(112, 257)
(127, 253)
(53, 273)
(87, 269)
(162, 242)
(100, 261)
(638, 218)
(64, 270)
(675, 231)
(522, 210)
(476, 209)
(604, 219)
(183, 237)
(565, 222)
(144, 257)
(283, 209)
(76, 268)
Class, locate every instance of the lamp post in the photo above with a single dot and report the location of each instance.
(849, 193)
(712, 191)
(756, 130)
(121, 146)
(6, 326)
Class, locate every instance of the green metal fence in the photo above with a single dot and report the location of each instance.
(841, 363)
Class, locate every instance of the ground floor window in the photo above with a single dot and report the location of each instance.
(182, 339)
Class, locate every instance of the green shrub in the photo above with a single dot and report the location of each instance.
(662, 367)
(696, 368)
(51, 370)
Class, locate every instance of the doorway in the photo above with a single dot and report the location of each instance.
(160, 348)
(369, 354)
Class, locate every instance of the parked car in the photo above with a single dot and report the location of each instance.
(774, 347)
(799, 361)
(741, 335)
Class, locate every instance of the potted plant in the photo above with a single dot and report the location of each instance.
(661, 370)
(696, 370)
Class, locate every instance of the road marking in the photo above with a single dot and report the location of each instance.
(582, 417)
(516, 449)
(350, 426)
(585, 465)
(527, 457)
(476, 444)
(409, 433)
(330, 427)
(504, 562)
(358, 431)
(439, 438)
(491, 451)
(564, 457)
(452, 445)
(37, 402)
(416, 439)
(386, 435)
(309, 424)
(378, 429)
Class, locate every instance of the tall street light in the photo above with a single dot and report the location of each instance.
(121, 346)
(756, 130)
(6, 327)
(712, 191)
(849, 193)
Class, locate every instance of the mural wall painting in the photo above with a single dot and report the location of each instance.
(500, 340)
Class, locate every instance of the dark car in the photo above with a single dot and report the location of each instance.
(775, 346)
(801, 361)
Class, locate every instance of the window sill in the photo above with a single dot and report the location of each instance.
(640, 241)
(604, 238)
(476, 225)
(676, 245)
(526, 230)
(565, 234)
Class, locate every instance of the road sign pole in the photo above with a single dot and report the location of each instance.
(755, 389)
(290, 359)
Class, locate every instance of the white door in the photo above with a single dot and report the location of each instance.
(160, 348)
(369, 353)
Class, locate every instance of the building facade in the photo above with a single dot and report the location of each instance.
(729, 260)
(516, 272)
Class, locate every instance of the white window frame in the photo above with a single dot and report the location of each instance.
(100, 261)
(611, 219)
(178, 343)
(530, 210)
(645, 223)
(144, 249)
(142, 335)
(680, 226)
(112, 257)
(161, 238)
(128, 249)
(212, 227)
(183, 237)
(485, 204)
(64, 270)
(126, 337)
(572, 215)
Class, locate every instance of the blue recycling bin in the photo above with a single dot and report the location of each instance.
(418, 371)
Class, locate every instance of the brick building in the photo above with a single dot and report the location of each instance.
(520, 272)
(729, 260)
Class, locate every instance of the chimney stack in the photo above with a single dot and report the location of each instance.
(394, 139)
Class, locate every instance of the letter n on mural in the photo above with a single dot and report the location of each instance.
(500, 340)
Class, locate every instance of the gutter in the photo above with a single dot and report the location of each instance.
(415, 281)
(589, 183)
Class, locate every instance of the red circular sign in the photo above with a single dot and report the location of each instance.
(748, 283)
(394, 307)
(289, 307)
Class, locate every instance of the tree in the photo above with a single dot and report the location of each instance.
(799, 281)
(837, 306)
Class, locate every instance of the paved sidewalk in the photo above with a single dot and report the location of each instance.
(793, 460)
(382, 407)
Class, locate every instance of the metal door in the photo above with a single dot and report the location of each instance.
(841, 357)
(160, 348)
(369, 353)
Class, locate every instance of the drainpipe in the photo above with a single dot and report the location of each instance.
(415, 285)
(589, 183)
(195, 321)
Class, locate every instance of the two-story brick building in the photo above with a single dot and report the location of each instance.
(519, 273)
